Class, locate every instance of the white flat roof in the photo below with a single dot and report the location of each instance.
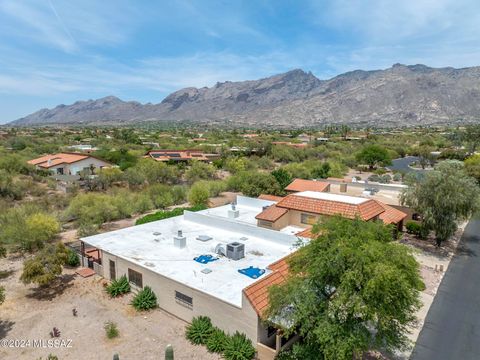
(332, 197)
(139, 245)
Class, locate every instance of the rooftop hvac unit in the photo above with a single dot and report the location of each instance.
(235, 251)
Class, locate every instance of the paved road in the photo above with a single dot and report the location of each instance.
(452, 326)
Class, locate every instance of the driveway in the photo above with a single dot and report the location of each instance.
(452, 326)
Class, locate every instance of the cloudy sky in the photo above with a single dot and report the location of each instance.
(60, 51)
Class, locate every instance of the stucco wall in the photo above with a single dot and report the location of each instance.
(224, 315)
(80, 165)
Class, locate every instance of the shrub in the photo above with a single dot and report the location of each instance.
(118, 287)
(416, 229)
(299, 351)
(200, 330)
(2, 294)
(72, 258)
(160, 215)
(111, 330)
(217, 341)
(238, 347)
(145, 299)
(198, 194)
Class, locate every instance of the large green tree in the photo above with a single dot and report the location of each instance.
(374, 155)
(472, 167)
(444, 197)
(349, 290)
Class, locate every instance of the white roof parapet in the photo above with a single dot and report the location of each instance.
(239, 227)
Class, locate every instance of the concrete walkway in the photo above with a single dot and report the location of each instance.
(452, 326)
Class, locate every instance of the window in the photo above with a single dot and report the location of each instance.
(113, 275)
(264, 223)
(183, 299)
(308, 219)
(135, 278)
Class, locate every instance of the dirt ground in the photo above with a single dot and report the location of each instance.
(28, 313)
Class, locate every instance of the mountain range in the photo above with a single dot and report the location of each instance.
(398, 96)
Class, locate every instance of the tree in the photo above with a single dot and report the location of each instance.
(471, 136)
(472, 167)
(374, 155)
(349, 290)
(443, 197)
(198, 194)
(45, 266)
(322, 171)
(425, 156)
(253, 183)
(283, 177)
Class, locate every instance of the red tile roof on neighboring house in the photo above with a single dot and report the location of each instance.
(48, 161)
(178, 155)
(271, 213)
(270, 197)
(307, 233)
(307, 185)
(257, 293)
(391, 215)
(365, 210)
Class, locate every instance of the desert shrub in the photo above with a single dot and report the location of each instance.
(72, 258)
(2, 294)
(217, 341)
(199, 194)
(118, 287)
(374, 178)
(397, 177)
(200, 330)
(145, 299)
(160, 215)
(385, 179)
(160, 195)
(416, 229)
(111, 330)
(238, 347)
(179, 194)
(199, 171)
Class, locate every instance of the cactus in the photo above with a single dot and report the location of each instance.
(116, 357)
(169, 352)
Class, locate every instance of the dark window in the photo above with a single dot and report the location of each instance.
(60, 171)
(184, 299)
(271, 331)
(135, 278)
(308, 219)
(264, 223)
(113, 275)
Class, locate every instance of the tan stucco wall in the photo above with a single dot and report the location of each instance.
(224, 315)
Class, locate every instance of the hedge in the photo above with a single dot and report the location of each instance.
(165, 214)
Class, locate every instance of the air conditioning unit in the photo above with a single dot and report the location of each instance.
(235, 251)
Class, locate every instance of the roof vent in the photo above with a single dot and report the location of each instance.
(206, 271)
(220, 249)
(204, 238)
(235, 251)
(156, 233)
(244, 238)
(233, 213)
(179, 241)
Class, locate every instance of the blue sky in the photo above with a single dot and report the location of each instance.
(60, 51)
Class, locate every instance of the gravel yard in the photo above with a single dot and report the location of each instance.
(29, 314)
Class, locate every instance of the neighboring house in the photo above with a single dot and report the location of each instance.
(83, 147)
(299, 185)
(290, 144)
(306, 208)
(162, 255)
(68, 163)
(180, 155)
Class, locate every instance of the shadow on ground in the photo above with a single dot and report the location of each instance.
(47, 293)
(5, 327)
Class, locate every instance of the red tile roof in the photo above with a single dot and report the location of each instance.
(365, 210)
(391, 215)
(257, 293)
(48, 161)
(306, 233)
(270, 197)
(271, 213)
(307, 185)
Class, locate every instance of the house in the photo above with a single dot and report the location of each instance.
(299, 185)
(303, 209)
(200, 263)
(67, 163)
(83, 147)
(180, 155)
(290, 144)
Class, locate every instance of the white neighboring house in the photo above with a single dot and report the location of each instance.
(68, 163)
